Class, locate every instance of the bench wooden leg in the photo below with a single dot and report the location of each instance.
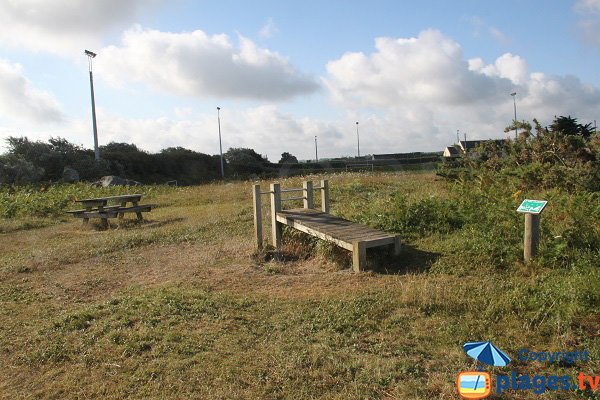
(123, 204)
(359, 256)
(138, 213)
(276, 232)
(397, 247)
(86, 220)
(104, 223)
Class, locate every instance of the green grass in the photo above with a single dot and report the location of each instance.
(182, 307)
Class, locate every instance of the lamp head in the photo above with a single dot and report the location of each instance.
(513, 94)
(218, 108)
(90, 53)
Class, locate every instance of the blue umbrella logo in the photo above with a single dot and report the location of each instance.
(487, 353)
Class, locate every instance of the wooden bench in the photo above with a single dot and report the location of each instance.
(319, 223)
(98, 208)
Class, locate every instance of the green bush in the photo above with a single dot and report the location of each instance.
(423, 217)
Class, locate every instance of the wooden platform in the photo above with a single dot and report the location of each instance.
(351, 236)
(346, 234)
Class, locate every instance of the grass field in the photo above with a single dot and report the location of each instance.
(182, 306)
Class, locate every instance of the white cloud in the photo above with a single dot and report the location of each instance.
(589, 22)
(196, 64)
(64, 26)
(508, 66)
(268, 30)
(500, 36)
(429, 68)
(20, 101)
(423, 90)
(479, 25)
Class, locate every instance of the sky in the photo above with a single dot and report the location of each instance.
(411, 73)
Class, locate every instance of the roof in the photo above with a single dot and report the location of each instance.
(453, 151)
(471, 144)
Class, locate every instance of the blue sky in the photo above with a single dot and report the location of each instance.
(412, 73)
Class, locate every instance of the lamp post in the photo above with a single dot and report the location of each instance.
(316, 153)
(91, 55)
(514, 96)
(357, 139)
(220, 146)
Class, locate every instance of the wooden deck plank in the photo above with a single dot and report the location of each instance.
(334, 228)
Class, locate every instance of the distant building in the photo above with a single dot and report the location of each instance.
(451, 152)
(416, 155)
(466, 145)
(469, 147)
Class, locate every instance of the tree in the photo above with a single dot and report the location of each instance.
(241, 161)
(568, 126)
(15, 169)
(288, 158)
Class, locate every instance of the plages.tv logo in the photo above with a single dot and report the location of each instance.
(478, 384)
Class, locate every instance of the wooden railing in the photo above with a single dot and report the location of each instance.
(275, 192)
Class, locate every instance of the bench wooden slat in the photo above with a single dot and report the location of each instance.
(111, 211)
(107, 208)
(141, 207)
(96, 214)
(125, 197)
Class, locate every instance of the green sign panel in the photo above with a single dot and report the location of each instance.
(532, 206)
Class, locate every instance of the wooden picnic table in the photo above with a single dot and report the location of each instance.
(98, 208)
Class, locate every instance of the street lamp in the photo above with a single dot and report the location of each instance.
(91, 55)
(220, 146)
(316, 153)
(514, 96)
(357, 139)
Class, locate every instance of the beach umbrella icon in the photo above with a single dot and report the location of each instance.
(487, 353)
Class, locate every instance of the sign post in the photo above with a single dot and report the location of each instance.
(532, 210)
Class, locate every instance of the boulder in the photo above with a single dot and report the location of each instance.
(70, 175)
(112, 180)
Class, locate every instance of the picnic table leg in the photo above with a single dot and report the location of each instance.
(138, 213)
(86, 220)
(103, 221)
(123, 204)
(397, 245)
(359, 256)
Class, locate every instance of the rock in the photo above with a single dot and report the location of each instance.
(70, 175)
(112, 180)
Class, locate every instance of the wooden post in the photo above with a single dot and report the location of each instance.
(324, 195)
(257, 217)
(359, 256)
(532, 236)
(307, 187)
(275, 207)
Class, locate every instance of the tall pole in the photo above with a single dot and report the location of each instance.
(514, 96)
(220, 146)
(95, 128)
(316, 151)
(457, 137)
(357, 139)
